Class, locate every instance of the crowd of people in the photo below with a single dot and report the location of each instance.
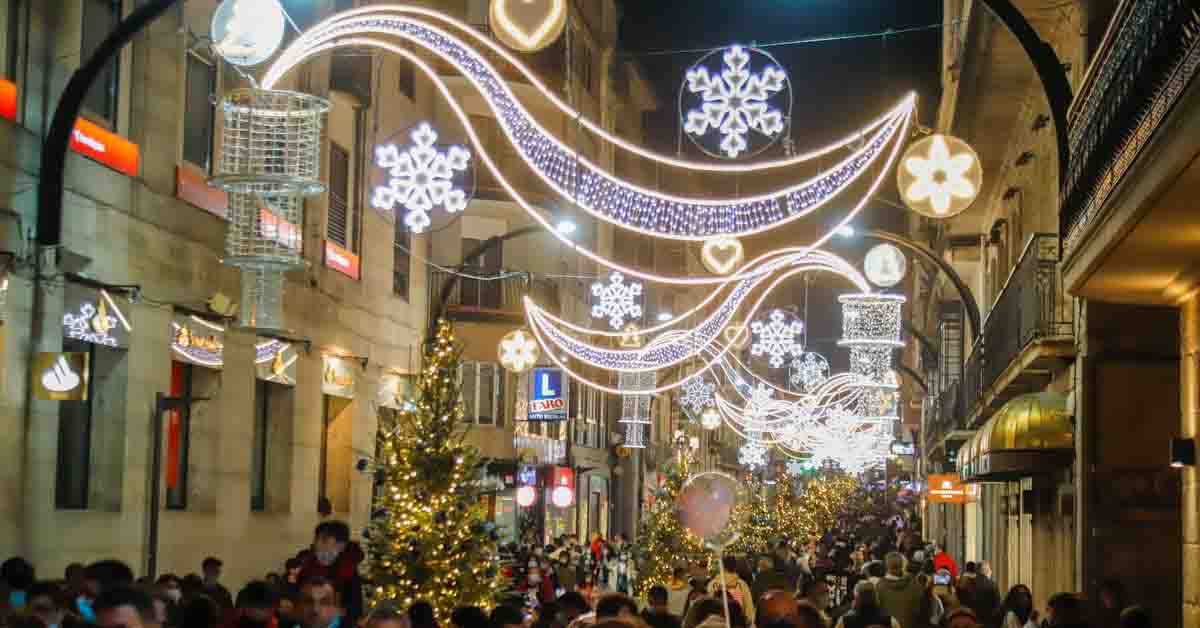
(871, 571)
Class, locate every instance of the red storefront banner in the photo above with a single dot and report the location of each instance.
(106, 147)
(192, 186)
(341, 260)
(8, 100)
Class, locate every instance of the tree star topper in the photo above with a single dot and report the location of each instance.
(776, 338)
(616, 300)
(422, 177)
(736, 100)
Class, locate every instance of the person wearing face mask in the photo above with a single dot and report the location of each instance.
(16, 576)
(45, 601)
(336, 558)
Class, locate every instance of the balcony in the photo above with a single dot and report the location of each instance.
(1027, 337)
(1132, 130)
(495, 299)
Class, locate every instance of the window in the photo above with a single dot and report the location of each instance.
(408, 80)
(583, 67)
(401, 260)
(100, 17)
(479, 293)
(333, 482)
(338, 229)
(178, 425)
(12, 45)
(258, 448)
(482, 385)
(199, 112)
(75, 441)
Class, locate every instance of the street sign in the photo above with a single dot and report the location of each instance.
(547, 395)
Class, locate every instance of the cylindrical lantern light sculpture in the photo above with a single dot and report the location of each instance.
(871, 329)
(270, 160)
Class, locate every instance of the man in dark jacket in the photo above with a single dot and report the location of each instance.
(335, 557)
(900, 594)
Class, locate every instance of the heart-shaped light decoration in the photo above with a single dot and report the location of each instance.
(722, 255)
(528, 25)
(737, 336)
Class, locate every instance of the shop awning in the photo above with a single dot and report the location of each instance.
(1030, 435)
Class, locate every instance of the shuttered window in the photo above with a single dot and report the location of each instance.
(338, 227)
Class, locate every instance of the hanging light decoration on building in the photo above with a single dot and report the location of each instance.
(885, 265)
(518, 351)
(247, 32)
(710, 418)
(939, 176)
(528, 25)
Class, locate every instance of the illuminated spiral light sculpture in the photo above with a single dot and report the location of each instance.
(270, 160)
(871, 330)
(635, 407)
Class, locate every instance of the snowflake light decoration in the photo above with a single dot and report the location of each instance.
(422, 177)
(518, 351)
(808, 371)
(776, 338)
(736, 100)
(697, 394)
(752, 455)
(617, 300)
(941, 172)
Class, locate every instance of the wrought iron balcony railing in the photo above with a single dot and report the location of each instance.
(473, 296)
(1150, 53)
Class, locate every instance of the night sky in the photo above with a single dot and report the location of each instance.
(837, 86)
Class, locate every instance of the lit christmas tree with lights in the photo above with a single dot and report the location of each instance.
(663, 542)
(430, 538)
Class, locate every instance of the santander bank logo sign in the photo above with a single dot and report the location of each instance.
(106, 147)
(341, 260)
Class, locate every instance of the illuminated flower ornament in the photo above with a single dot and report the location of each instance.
(422, 177)
(776, 338)
(518, 351)
(939, 176)
(616, 300)
(735, 101)
(697, 394)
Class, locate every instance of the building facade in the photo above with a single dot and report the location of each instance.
(1062, 409)
(262, 431)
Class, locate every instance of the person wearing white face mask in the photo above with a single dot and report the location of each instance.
(335, 557)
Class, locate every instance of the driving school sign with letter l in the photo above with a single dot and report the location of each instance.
(547, 395)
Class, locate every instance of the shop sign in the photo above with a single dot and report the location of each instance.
(191, 186)
(527, 475)
(547, 395)
(395, 390)
(8, 100)
(341, 260)
(562, 494)
(59, 376)
(540, 448)
(95, 316)
(280, 231)
(339, 376)
(197, 341)
(275, 361)
(106, 147)
(903, 449)
(947, 488)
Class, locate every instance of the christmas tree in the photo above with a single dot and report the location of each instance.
(430, 538)
(663, 542)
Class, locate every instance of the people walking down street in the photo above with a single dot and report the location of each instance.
(99, 577)
(942, 560)
(571, 605)
(987, 596)
(865, 612)
(658, 612)
(1017, 610)
(389, 615)
(677, 592)
(732, 583)
(211, 568)
(318, 604)
(777, 607)
(505, 616)
(962, 618)
(1065, 610)
(1136, 617)
(256, 604)
(45, 602)
(336, 558)
(420, 615)
(900, 595)
(807, 616)
(816, 593)
(770, 577)
(1112, 602)
(125, 607)
(16, 576)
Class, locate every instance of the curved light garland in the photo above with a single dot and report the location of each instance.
(603, 195)
(553, 98)
(536, 214)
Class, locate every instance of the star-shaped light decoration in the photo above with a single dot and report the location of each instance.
(421, 178)
(776, 338)
(735, 100)
(616, 300)
(518, 351)
(939, 176)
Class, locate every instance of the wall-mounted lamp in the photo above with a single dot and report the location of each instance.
(1183, 452)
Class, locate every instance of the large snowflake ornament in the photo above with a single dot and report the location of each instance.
(777, 338)
(735, 101)
(753, 455)
(808, 371)
(422, 178)
(616, 300)
(698, 394)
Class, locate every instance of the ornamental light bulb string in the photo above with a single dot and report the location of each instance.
(565, 107)
(618, 201)
(464, 119)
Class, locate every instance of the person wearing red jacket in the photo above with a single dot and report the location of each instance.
(335, 557)
(942, 560)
